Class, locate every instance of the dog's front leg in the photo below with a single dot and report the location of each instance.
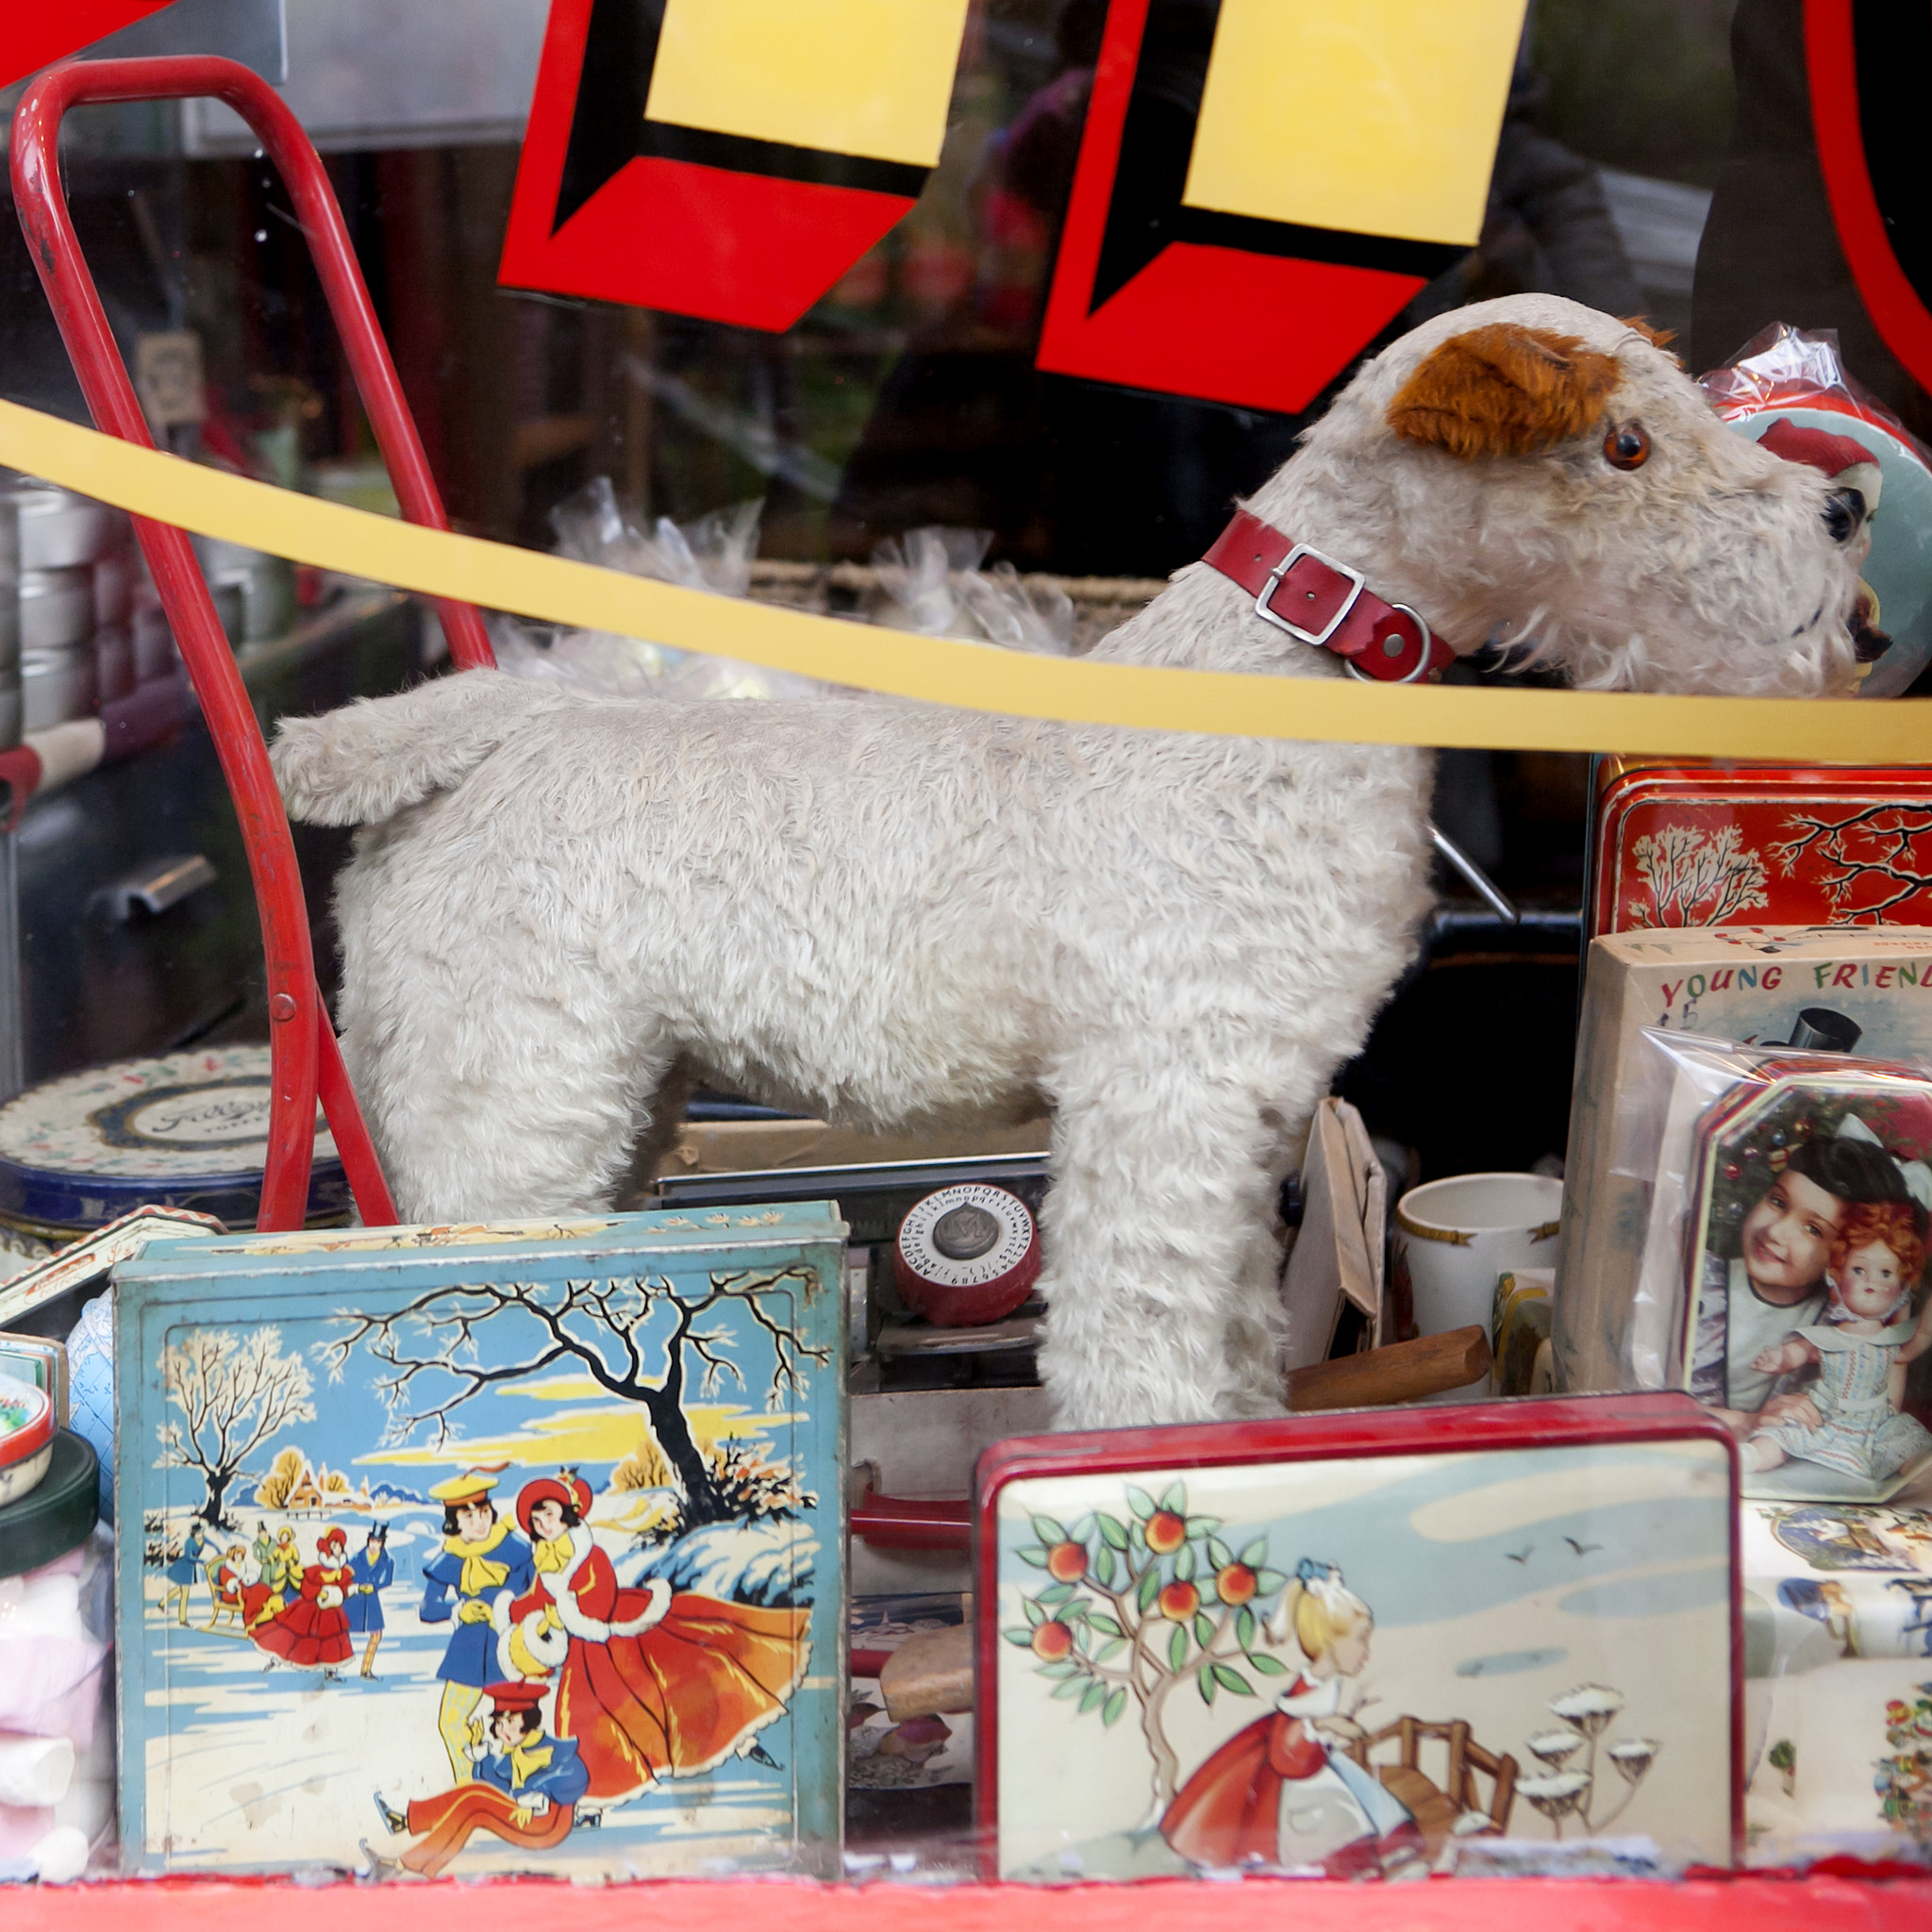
(1162, 1250)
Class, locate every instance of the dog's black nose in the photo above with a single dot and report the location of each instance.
(1844, 510)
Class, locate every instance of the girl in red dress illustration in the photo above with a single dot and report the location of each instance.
(650, 1683)
(1283, 1790)
(311, 1628)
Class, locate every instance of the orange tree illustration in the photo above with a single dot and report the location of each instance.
(637, 1337)
(1139, 1605)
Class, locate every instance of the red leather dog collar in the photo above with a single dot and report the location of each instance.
(1321, 602)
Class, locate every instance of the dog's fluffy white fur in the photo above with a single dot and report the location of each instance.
(902, 917)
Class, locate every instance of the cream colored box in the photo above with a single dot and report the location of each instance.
(1856, 988)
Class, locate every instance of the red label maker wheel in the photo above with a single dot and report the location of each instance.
(966, 1256)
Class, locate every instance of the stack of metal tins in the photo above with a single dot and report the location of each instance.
(76, 580)
(12, 723)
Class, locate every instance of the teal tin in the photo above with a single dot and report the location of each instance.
(514, 1547)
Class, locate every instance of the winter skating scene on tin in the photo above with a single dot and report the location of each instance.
(507, 1576)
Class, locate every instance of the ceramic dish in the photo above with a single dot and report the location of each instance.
(57, 608)
(55, 687)
(27, 1438)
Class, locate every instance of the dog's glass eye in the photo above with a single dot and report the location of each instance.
(1626, 447)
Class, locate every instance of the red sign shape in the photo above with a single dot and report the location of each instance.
(1868, 67)
(1150, 293)
(33, 38)
(616, 207)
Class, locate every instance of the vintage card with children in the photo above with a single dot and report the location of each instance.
(485, 1549)
(1810, 1186)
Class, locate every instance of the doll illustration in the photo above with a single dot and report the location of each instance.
(372, 1570)
(311, 1628)
(481, 1556)
(1860, 1351)
(1284, 1790)
(649, 1682)
(524, 1791)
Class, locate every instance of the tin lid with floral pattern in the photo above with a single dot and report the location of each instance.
(186, 1130)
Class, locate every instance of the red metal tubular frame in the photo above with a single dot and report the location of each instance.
(306, 1059)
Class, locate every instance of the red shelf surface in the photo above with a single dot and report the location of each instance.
(1761, 1904)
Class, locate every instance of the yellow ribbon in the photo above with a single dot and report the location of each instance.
(980, 677)
(526, 1759)
(555, 1555)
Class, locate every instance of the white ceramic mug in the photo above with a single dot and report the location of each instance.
(1453, 1237)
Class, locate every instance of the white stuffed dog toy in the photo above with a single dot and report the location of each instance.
(565, 909)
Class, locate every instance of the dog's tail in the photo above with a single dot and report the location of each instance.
(361, 764)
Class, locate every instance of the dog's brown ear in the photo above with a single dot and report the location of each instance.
(1504, 391)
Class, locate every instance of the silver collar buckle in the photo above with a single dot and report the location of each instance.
(1358, 582)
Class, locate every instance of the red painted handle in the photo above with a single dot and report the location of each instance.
(903, 1523)
(303, 1046)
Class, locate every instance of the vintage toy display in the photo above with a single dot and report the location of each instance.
(948, 704)
(525, 1540)
(1019, 966)
(1338, 1646)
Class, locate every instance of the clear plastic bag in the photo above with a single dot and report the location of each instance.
(713, 553)
(931, 582)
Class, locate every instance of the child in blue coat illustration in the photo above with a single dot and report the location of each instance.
(374, 1570)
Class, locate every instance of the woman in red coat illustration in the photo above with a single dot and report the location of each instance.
(311, 1628)
(650, 1683)
(1280, 1792)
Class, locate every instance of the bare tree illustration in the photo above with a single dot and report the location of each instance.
(635, 1337)
(1696, 877)
(1870, 860)
(234, 1393)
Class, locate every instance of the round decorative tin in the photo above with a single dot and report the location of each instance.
(966, 1256)
(58, 1516)
(27, 1438)
(188, 1130)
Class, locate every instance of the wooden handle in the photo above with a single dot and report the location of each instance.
(929, 1675)
(1404, 1372)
